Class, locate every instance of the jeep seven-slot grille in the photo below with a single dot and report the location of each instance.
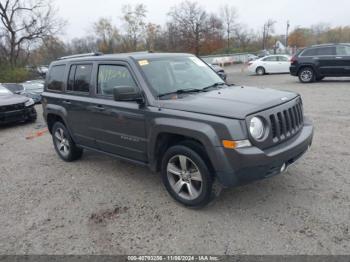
(287, 122)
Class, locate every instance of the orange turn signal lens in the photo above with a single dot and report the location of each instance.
(229, 144)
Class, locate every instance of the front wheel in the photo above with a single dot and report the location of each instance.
(306, 75)
(260, 71)
(186, 177)
(64, 144)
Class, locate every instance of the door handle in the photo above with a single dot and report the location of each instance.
(67, 102)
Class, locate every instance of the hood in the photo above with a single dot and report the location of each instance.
(232, 102)
(6, 100)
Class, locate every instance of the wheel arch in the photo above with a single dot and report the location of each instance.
(200, 137)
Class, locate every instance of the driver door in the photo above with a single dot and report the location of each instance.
(119, 125)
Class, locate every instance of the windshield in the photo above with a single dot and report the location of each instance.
(171, 74)
(4, 91)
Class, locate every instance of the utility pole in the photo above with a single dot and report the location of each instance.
(287, 33)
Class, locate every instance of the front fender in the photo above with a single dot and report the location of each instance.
(199, 131)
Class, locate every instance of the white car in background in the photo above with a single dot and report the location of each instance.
(270, 64)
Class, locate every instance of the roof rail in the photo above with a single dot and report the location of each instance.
(81, 55)
(325, 44)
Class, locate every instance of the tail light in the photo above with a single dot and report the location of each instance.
(294, 60)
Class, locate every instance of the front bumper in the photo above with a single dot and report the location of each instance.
(250, 164)
(25, 114)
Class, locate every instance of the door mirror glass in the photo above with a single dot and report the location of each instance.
(126, 93)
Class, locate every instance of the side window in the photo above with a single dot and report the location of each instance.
(310, 52)
(79, 78)
(270, 59)
(326, 51)
(55, 78)
(110, 76)
(283, 59)
(343, 50)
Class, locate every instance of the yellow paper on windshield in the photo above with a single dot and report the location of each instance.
(143, 62)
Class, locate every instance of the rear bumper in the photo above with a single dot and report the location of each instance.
(18, 115)
(293, 70)
(250, 164)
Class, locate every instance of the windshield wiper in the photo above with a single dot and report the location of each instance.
(182, 91)
(214, 85)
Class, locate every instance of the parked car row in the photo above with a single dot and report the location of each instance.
(31, 89)
(309, 64)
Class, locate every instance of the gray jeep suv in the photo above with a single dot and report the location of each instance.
(174, 114)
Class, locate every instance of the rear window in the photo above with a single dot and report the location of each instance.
(55, 78)
(79, 78)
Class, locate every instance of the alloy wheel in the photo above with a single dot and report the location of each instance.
(306, 75)
(62, 142)
(184, 177)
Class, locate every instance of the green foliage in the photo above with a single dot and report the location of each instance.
(13, 75)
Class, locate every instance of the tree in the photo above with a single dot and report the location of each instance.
(23, 24)
(268, 29)
(190, 19)
(107, 35)
(229, 16)
(152, 32)
(134, 19)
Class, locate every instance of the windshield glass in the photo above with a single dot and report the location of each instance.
(4, 91)
(171, 74)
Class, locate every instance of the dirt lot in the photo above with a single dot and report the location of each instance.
(100, 205)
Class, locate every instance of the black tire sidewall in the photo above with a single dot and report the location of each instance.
(71, 156)
(207, 183)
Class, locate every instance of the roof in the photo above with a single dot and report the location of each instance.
(329, 44)
(135, 55)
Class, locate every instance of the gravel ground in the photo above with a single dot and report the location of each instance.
(100, 205)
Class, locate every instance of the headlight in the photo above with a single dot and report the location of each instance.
(256, 128)
(30, 102)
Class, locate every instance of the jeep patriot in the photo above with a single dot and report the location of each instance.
(174, 114)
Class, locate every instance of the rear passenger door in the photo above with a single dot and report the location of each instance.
(77, 100)
(327, 61)
(119, 127)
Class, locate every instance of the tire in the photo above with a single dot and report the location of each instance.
(64, 144)
(186, 177)
(260, 71)
(307, 75)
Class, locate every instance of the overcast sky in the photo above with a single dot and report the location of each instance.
(80, 14)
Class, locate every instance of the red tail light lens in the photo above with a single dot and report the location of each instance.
(294, 59)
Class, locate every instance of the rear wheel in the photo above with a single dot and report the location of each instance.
(306, 75)
(260, 71)
(63, 143)
(187, 177)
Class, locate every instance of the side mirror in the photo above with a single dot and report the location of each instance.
(127, 93)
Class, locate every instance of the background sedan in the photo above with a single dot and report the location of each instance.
(270, 64)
